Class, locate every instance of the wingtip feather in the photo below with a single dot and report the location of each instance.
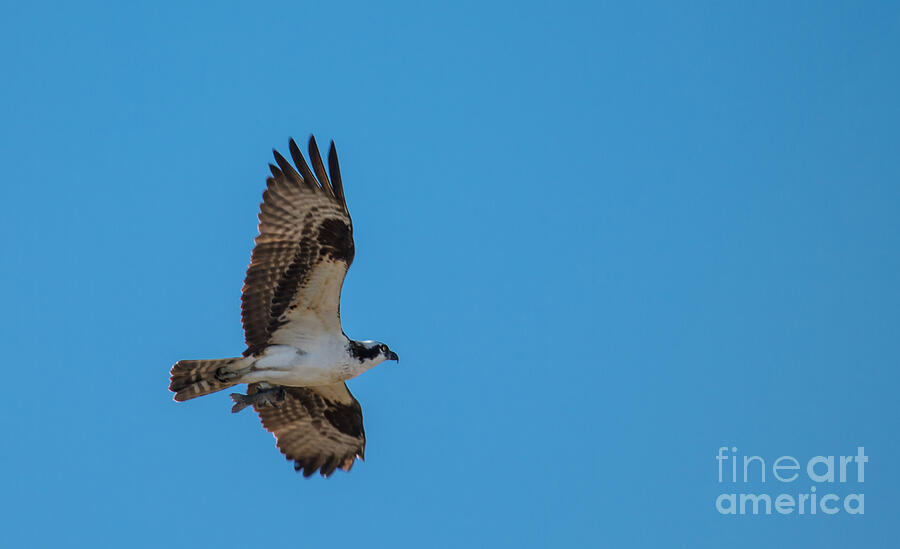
(301, 164)
(276, 173)
(286, 167)
(316, 158)
(335, 168)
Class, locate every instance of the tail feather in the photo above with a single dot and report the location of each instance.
(193, 378)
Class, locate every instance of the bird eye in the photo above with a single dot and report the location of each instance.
(384, 349)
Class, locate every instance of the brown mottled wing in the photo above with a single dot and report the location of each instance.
(292, 291)
(318, 428)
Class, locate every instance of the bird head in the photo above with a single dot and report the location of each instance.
(374, 352)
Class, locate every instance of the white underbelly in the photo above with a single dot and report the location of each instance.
(284, 365)
(301, 376)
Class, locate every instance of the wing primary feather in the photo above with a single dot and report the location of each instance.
(286, 167)
(316, 160)
(335, 170)
(329, 466)
(308, 176)
(276, 172)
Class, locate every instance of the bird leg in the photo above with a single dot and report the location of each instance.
(224, 375)
(272, 396)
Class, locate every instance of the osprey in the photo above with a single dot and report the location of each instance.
(298, 357)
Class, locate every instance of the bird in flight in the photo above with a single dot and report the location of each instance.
(298, 357)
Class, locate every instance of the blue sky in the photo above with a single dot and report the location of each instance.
(605, 239)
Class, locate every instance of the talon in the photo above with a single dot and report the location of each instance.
(272, 397)
(224, 375)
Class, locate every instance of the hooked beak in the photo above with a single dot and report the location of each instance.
(393, 356)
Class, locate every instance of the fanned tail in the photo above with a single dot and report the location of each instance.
(193, 378)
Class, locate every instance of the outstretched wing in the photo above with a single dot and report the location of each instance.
(317, 427)
(305, 246)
